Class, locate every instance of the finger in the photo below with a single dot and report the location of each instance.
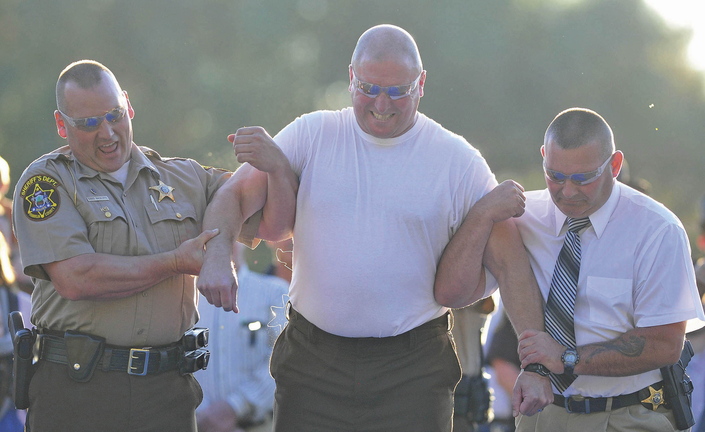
(249, 130)
(233, 294)
(207, 235)
(516, 400)
(527, 334)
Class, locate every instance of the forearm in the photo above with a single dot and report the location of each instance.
(460, 277)
(509, 263)
(636, 351)
(279, 212)
(224, 213)
(102, 277)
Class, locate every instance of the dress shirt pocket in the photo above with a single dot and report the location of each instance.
(173, 223)
(609, 300)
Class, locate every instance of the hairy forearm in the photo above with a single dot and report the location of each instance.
(224, 213)
(101, 276)
(636, 351)
(509, 263)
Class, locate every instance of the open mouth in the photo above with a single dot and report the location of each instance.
(109, 148)
(381, 117)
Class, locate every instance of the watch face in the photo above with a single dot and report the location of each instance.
(569, 357)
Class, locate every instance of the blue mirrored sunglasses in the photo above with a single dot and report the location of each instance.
(579, 179)
(394, 92)
(89, 124)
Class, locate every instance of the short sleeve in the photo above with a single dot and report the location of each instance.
(248, 232)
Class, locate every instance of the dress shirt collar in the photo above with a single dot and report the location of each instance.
(598, 219)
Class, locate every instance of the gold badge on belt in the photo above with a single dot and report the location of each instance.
(165, 191)
(655, 398)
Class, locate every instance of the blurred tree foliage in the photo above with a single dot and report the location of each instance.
(498, 72)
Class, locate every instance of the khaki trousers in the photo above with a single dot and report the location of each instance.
(632, 418)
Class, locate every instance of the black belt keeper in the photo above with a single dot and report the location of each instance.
(134, 361)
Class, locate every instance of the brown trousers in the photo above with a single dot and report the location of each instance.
(329, 383)
(111, 401)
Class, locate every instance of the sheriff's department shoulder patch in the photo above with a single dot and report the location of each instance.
(40, 197)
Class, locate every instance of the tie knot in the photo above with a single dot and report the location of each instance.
(575, 225)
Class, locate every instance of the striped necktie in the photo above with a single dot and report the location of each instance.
(560, 307)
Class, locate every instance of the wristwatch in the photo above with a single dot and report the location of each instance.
(570, 358)
(538, 368)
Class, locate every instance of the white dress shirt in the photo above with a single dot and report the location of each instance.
(635, 271)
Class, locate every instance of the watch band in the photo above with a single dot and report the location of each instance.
(537, 368)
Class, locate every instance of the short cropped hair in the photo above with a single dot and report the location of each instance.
(576, 127)
(84, 73)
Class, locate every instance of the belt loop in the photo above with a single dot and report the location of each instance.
(608, 404)
(451, 320)
(107, 355)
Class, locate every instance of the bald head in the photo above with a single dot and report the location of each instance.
(576, 127)
(85, 74)
(387, 43)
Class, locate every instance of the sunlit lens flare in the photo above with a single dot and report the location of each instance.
(688, 14)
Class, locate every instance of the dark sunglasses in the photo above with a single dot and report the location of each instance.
(580, 179)
(89, 124)
(394, 92)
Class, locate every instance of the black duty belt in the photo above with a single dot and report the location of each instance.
(651, 397)
(134, 361)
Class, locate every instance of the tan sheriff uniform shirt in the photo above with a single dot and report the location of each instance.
(64, 209)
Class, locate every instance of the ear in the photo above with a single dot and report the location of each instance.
(60, 125)
(701, 242)
(350, 74)
(543, 151)
(616, 164)
(130, 110)
(422, 81)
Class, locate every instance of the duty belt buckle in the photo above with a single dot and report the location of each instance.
(136, 354)
(579, 399)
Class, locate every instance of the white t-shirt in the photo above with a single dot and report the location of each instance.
(635, 271)
(373, 217)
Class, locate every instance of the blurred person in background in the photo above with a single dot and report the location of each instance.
(473, 395)
(696, 369)
(504, 367)
(11, 299)
(238, 391)
(23, 281)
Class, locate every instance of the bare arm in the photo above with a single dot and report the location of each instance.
(507, 259)
(266, 181)
(460, 278)
(100, 276)
(635, 351)
(254, 146)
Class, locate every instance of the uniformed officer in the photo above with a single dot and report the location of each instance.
(110, 233)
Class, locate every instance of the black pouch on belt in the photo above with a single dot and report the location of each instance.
(83, 353)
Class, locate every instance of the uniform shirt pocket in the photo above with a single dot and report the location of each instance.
(107, 224)
(609, 300)
(173, 224)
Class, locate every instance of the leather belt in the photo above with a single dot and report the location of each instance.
(651, 397)
(134, 361)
